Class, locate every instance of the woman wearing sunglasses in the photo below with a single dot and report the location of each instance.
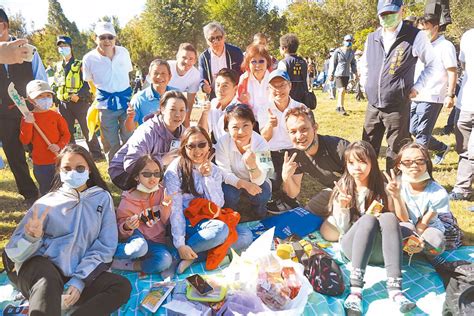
(253, 85)
(423, 204)
(63, 246)
(158, 136)
(244, 158)
(193, 175)
(142, 216)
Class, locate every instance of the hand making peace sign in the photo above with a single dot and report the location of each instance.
(289, 166)
(344, 199)
(273, 120)
(34, 226)
(393, 185)
(206, 167)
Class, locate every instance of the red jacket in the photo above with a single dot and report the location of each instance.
(200, 209)
(55, 128)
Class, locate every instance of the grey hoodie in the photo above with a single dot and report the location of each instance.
(80, 234)
(152, 137)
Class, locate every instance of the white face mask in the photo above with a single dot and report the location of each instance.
(74, 179)
(44, 103)
(64, 51)
(144, 189)
(406, 178)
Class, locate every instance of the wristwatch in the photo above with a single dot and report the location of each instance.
(451, 95)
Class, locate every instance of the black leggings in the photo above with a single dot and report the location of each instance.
(42, 283)
(360, 241)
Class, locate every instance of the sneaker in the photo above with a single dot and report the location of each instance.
(353, 305)
(343, 112)
(440, 155)
(403, 303)
(456, 196)
(278, 207)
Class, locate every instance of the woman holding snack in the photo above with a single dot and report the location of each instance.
(424, 204)
(363, 220)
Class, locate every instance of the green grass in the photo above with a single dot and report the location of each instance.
(330, 123)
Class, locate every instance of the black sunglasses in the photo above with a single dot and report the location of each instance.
(104, 37)
(198, 145)
(234, 106)
(215, 38)
(148, 174)
(79, 169)
(418, 162)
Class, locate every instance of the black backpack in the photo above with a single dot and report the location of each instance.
(321, 270)
(460, 292)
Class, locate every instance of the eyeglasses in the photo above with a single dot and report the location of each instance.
(108, 37)
(192, 146)
(418, 162)
(260, 61)
(148, 174)
(234, 106)
(212, 39)
(79, 169)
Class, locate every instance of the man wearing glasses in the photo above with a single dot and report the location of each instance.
(219, 55)
(107, 67)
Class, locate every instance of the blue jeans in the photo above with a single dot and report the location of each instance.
(112, 130)
(258, 202)
(44, 174)
(211, 233)
(155, 257)
(423, 116)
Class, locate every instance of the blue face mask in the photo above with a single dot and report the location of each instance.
(347, 44)
(73, 179)
(64, 51)
(44, 103)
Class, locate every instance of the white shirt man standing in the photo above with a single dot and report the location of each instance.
(184, 76)
(107, 68)
(438, 91)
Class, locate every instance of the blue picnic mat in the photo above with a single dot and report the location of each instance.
(421, 284)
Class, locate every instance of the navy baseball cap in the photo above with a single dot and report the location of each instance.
(279, 73)
(389, 6)
(63, 39)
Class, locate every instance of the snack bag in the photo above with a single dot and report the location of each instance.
(375, 208)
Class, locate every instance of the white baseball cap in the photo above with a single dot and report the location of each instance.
(102, 28)
(35, 87)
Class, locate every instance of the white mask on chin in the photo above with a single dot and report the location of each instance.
(425, 176)
(144, 189)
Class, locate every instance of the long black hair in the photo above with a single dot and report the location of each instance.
(362, 151)
(95, 178)
(185, 165)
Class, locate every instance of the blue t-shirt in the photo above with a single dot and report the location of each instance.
(433, 198)
(145, 102)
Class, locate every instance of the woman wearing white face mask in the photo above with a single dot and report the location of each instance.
(422, 205)
(63, 246)
(52, 124)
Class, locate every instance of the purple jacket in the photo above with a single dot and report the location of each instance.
(152, 137)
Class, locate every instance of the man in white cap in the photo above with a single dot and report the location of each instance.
(387, 70)
(107, 67)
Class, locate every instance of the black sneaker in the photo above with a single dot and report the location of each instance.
(278, 207)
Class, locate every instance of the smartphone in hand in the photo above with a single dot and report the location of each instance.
(199, 284)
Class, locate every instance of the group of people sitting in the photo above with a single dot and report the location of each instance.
(183, 189)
